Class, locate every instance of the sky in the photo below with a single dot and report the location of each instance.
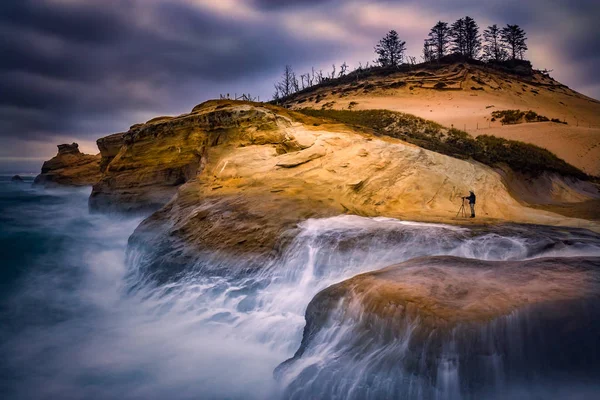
(77, 70)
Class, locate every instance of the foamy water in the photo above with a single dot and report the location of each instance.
(81, 321)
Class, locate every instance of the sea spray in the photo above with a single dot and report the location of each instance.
(82, 321)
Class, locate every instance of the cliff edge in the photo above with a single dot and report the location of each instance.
(70, 167)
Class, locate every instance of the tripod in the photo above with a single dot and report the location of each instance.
(461, 210)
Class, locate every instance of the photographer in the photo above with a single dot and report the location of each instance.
(471, 199)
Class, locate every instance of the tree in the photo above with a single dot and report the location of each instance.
(390, 50)
(493, 50)
(458, 36)
(472, 38)
(428, 54)
(440, 38)
(304, 80)
(343, 69)
(514, 38)
(465, 37)
(288, 84)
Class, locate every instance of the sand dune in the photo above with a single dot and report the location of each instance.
(470, 95)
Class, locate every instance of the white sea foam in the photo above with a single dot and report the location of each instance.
(85, 330)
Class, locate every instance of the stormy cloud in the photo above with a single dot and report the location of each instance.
(79, 69)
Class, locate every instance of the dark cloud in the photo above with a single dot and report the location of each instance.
(278, 4)
(89, 68)
(84, 68)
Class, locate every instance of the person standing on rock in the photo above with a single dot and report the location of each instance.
(471, 199)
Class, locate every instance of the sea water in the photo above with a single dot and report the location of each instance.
(78, 319)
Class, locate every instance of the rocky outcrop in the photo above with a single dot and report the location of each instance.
(444, 292)
(144, 167)
(109, 147)
(261, 170)
(17, 178)
(451, 328)
(70, 167)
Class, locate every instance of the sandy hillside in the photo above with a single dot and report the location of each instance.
(579, 146)
(464, 96)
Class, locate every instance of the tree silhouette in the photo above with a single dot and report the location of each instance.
(465, 37)
(458, 36)
(287, 85)
(472, 38)
(390, 50)
(343, 69)
(440, 38)
(514, 38)
(428, 54)
(493, 50)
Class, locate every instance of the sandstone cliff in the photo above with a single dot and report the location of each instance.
(70, 167)
(257, 170)
(144, 167)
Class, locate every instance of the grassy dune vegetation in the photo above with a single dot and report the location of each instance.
(490, 150)
(509, 117)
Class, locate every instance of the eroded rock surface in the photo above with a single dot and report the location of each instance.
(255, 172)
(70, 167)
(144, 167)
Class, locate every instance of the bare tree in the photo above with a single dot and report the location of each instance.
(493, 50)
(514, 38)
(320, 76)
(440, 38)
(332, 76)
(343, 69)
(428, 53)
(288, 84)
(390, 50)
(295, 85)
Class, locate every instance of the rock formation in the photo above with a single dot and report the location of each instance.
(16, 178)
(70, 167)
(255, 171)
(144, 166)
(445, 326)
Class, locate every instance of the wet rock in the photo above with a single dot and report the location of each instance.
(451, 328)
(17, 179)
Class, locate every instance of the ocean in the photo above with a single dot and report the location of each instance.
(79, 321)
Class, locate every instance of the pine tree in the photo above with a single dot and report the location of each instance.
(514, 38)
(440, 38)
(390, 50)
(472, 38)
(458, 36)
(493, 50)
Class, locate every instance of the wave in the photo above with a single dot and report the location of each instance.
(85, 320)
